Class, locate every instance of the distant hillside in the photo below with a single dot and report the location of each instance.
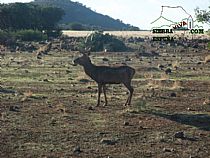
(78, 13)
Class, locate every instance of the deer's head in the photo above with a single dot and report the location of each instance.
(84, 59)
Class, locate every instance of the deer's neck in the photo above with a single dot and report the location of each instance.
(90, 70)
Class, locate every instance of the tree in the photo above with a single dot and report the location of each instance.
(97, 41)
(50, 16)
(77, 26)
(17, 16)
(203, 15)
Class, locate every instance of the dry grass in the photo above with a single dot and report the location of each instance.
(142, 34)
(176, 85)
(207, 59)
(59, 115)
(206, 101)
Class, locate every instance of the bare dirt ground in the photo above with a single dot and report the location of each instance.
(47, 107)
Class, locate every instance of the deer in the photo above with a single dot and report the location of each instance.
(103, 75)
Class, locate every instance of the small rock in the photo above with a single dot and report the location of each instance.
(168, 71)
(14, 108)
(84, 80)
(108, 141)
(105, 59)
(168, 149)
(26, 71)
(179, 135)
(128, 59)
(189, 109)
(160, 66)
(45, 80)
(68, 71)
(173, 94)
(90, 108)
(126, 123)
(74, 101)
(77, 150)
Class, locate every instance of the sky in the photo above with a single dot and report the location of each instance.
(141, 13)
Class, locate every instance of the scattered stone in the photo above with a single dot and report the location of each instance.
(6, 91)
(90, 108)
(126, 124)
(168, 71)
(77, 150)
(179, 135)
(68, 71)
(189, 109)
(128, 59)
(26, 71)
(173, 94)
(168, 149)
(108, 141)
(84, 80)
(160, 66)
(105, 59)
(74, 101)
(45, 80)
(14, 108)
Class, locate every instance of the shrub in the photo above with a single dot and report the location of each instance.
(207, 59)
(29, 35)
(4, 36)
(77, 26)
(53, 33)
(208, 46)
(98, 42)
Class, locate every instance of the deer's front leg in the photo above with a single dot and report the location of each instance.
(99, 93)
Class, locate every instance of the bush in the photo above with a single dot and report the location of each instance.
(53, 33)
(77, 26)
(29, 35)
(4, 36)
(208, 46)
(98, 42)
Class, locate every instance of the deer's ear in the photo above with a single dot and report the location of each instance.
(88, 49)
(88, 53)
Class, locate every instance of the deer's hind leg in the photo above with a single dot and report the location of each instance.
(99, 94)
(104, 90)
(130, 88)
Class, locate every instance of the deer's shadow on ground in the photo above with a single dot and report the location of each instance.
(200, 121)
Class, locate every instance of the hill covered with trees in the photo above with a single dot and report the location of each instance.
(78, 16)
(19, 16)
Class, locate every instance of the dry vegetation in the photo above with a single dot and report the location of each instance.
(47, 106)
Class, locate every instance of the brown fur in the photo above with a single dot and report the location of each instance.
(107, 75)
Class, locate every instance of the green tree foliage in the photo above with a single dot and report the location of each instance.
(203, 15)
(29, 35)
(77, 26)
(16, 16)
(24, 35)
(98, 42)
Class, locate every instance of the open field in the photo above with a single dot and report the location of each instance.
(47, 107)
(141, 34)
